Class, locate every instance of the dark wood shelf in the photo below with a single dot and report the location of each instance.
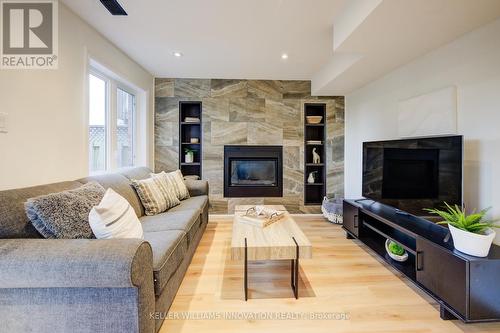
(407, 267)
(184, 123)
(194, 163)
(389, 236)
(315, 164)
(317, 203)
(314, 184)
(315, 144)
(315, 125)
(189, 143)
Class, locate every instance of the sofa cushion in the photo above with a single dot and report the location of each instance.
(121, 185)
(169, 248)
(192, 203)
(135, 173)
(188, 221)
(196, 187)
(13, 220)
(182, 220)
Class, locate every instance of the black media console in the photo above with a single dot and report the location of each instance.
(466, 287)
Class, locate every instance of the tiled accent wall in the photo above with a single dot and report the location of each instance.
(254, 112)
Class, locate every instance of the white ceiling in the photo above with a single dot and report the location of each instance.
(245, 38)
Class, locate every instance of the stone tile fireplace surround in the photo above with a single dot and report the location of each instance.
(249, 112)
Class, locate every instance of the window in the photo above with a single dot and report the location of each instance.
(112, 114)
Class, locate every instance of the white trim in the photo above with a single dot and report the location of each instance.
(107, 119)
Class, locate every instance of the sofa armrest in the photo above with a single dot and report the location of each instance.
(197, 187)
(74, 263)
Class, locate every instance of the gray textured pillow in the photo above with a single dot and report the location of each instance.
(65, 214)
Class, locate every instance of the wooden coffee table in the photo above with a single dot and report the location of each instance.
(282, 240)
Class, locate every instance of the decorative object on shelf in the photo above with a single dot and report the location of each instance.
(314, 142)
(396, 251)
(332, 209)
(191, 120)
(261, 216)
(314, 119)
(194, 140)
(191, 177)
(471, 233)
(189, 157)
(312, 177)
(316, 158)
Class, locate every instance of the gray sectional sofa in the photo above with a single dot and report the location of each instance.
(90, 285)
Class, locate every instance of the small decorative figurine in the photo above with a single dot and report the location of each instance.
(311, 179)
(316, 157)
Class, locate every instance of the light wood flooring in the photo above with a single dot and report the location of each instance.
(343, 277)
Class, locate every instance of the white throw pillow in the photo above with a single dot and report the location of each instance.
(114, 218)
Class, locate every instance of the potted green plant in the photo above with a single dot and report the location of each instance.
(395, 251)
(471, 233)
(189, 155)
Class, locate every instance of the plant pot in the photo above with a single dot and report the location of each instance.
(402, 258)
(189, 158)
(477, 245)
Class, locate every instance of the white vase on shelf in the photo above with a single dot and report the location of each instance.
(310, 179)
(189, 158)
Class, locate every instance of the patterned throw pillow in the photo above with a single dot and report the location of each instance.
(151, 196)
(166, 189)
(176, 182)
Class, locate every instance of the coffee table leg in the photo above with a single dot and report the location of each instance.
(295, 271)
(245, 273)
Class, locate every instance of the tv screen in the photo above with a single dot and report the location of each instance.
(414, 174)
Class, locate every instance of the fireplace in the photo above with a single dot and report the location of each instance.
(253, 171)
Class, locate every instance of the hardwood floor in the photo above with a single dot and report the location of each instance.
(344, 277)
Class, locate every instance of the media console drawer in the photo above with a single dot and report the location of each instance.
(443, 274)
(351, 218)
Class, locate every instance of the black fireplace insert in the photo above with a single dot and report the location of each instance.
(253, 171)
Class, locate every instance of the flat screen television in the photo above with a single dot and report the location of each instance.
(413, 174)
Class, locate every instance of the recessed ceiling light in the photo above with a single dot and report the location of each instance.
(284, 56)
(177, 54)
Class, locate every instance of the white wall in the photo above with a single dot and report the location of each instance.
(472, 64)
(47, 122)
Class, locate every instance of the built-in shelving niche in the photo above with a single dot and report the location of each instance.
(314, 193)
(187, 131)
